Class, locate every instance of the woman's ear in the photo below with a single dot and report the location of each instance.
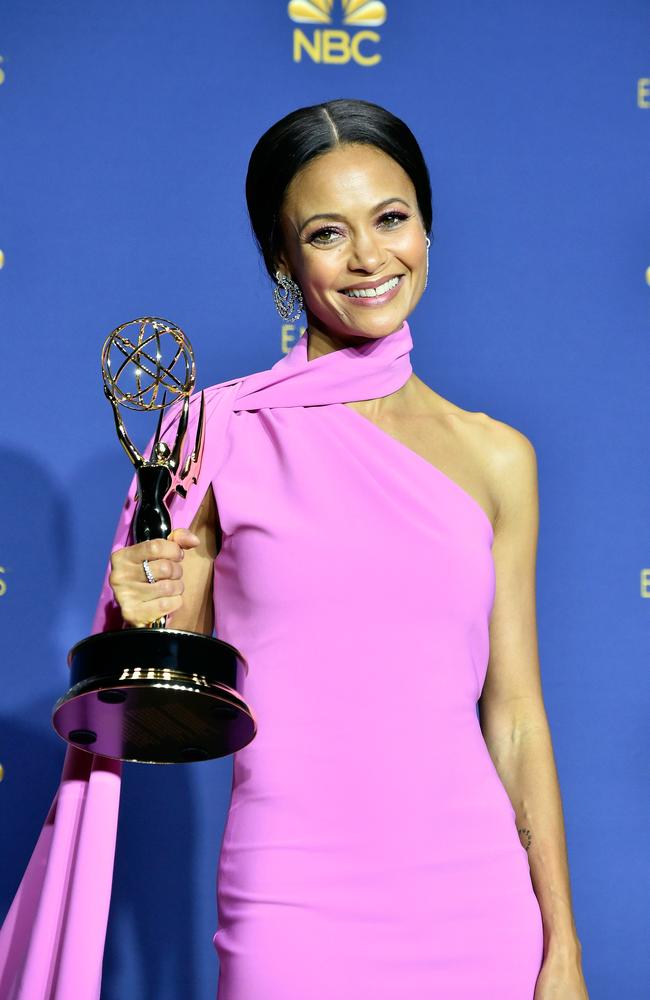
(281, 263)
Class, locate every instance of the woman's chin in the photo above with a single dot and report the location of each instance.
(376, 323)
(374, 320)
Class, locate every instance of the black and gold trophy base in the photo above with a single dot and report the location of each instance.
(155, 696)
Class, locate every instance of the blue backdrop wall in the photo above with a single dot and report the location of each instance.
(126, 131)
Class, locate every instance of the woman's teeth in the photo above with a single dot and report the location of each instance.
(367, 293)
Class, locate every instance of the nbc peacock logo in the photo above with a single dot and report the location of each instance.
(337, 45)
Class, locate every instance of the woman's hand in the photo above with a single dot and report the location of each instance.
(561, 978)
(142, 602)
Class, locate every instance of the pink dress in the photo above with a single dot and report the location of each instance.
(370, 848)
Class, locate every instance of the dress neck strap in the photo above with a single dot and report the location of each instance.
(374, 368)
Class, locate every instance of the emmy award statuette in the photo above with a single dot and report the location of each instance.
(154, 695)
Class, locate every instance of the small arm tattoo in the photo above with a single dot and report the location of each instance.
(524, 836)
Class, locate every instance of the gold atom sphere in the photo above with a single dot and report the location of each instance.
(147, 364)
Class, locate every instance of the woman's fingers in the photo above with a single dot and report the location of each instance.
(168, 565)
(150, 611)
(171, 549)
(184, 537)
(141, 601)
(161, 553)
(154, 591)
(162, 569)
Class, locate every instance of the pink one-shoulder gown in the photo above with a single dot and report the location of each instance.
(370, 849)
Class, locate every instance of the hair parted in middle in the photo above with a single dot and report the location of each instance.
(288, 145)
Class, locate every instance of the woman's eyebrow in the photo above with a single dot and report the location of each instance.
(341, 218)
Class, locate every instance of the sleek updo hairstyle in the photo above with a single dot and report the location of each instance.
(308, 132)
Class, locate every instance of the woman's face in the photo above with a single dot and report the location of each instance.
(350, 220)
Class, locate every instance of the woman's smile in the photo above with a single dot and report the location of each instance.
(369, 294)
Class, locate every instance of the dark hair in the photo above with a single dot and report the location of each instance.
(308, 132)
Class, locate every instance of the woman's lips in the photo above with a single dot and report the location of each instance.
(375, 300)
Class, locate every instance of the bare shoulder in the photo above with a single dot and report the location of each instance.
(504, 455)
(509, 450)
(509, 461)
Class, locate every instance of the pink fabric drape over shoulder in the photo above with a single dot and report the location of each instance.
(52, 938)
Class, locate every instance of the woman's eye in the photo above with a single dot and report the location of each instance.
(390, 218)
(396, 216)
(317, 236)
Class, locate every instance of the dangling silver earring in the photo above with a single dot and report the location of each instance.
(426, 277)
(287, 296)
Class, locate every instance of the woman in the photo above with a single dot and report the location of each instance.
(368, 851)
(370, 548)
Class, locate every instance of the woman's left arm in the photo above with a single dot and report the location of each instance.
(512, 713)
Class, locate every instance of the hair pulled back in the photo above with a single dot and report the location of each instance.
(308, 132)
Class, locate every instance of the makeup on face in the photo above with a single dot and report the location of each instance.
(354, 240)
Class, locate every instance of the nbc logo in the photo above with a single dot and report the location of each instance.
(336, 45)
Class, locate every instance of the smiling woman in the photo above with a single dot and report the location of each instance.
(347, 869)
(340, 200)
(372, 252)
(380, 583)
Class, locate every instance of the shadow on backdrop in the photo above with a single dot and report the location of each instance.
(54, 551)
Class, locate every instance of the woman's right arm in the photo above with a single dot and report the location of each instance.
(182, 566)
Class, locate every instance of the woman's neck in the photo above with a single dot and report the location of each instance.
(321, 342)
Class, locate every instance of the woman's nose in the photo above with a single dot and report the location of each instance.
(366, 253)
